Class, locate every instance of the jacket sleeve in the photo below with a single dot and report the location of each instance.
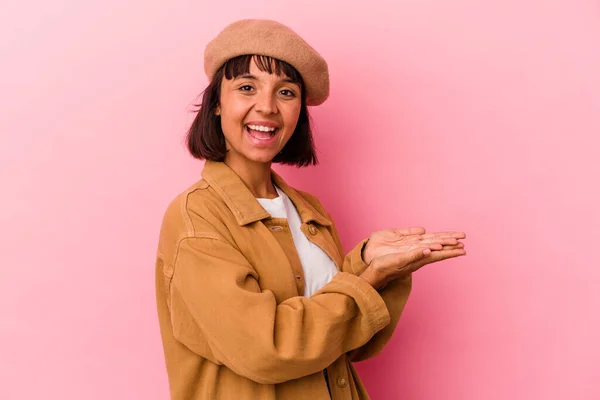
(394, 294)
(216, 291)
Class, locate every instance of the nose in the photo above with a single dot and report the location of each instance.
(266, 103)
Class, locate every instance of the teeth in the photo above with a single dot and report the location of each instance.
(261, 128)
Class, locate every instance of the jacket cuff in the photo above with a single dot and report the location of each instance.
(376, 311)
(353, 262)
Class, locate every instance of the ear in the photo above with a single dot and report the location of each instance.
(218, 110)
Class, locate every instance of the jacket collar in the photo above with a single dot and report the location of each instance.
(242, 203)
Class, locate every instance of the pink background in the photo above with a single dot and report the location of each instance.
(463, 115)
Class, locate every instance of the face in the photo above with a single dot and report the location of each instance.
(259, 112)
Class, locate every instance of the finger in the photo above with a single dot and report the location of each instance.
(443, 241)
(451, 234)
(404, 260)
(412, 254)
(433, 243)
(430, 246)
(458, 246)
(437, 245)
(440, 255)
(436, 256)
(413, 230)
(418, 254)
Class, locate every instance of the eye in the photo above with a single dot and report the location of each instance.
(246, 88)
(288, 93)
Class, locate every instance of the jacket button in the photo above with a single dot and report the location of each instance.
(312, 229)
(342, 382)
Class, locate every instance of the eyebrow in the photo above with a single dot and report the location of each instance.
(254, 78)
(247, 76)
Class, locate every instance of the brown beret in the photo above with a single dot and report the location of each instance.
(272, 39)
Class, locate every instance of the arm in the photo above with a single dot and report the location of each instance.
(395, 296)
(215, 290)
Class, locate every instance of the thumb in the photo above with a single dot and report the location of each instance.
(416, 259)
(418, 254)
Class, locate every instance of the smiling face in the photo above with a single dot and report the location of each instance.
(259, 113)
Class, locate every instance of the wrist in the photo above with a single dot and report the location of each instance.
(373, 278)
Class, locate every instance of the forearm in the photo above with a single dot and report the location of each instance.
(395, 296)
(248, 331)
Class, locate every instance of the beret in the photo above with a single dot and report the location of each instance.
(272, 39)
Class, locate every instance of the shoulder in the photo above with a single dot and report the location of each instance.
(195, 198)
(196, 211)
(177, 210)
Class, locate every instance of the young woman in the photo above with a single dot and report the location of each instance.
(256, 299)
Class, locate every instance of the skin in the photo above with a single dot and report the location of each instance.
(259, 96)
(396, 253)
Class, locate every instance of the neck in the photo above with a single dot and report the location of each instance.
(256, 177)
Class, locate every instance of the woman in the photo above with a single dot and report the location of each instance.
(256, 299)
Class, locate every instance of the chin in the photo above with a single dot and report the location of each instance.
(261, 158)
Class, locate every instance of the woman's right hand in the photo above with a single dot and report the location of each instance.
(396, 253)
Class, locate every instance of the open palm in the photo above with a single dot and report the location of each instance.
(406, 240)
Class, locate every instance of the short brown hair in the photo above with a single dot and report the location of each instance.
(205, 139)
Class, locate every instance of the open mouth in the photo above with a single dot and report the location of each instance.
(259, 132)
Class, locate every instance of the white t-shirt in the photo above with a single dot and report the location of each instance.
(318, 268)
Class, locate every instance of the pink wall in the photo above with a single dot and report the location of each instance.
(467, 115)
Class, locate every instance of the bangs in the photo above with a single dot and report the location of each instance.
(240, 65)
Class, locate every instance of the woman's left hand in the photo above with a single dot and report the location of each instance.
(398, 240)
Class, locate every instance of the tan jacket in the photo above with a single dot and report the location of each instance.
(229, 287)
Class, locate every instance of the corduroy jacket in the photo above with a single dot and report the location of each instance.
(229, 286)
